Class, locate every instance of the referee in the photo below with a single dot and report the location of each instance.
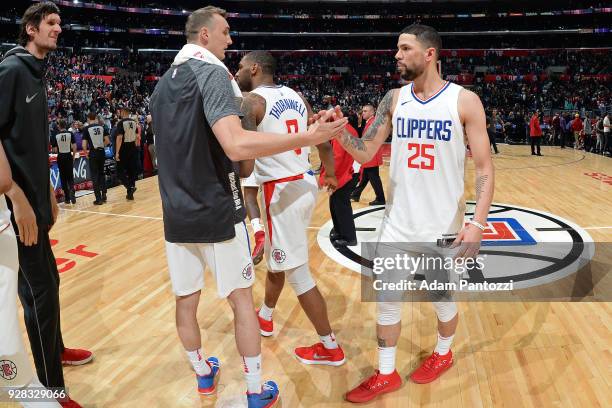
(24, 133)
(95, 137)
(126, 153)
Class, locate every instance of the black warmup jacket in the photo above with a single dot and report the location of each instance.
(24, 128)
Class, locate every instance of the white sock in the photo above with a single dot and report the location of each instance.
(198, 362)
(252, 373)
(444, 344)
(386, 360)
(329, 341)
(265, 312)
(256, 225)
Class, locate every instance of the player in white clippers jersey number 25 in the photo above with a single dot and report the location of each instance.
(288, 190)
(429, 120)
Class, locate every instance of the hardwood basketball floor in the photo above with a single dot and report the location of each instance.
(120, 305)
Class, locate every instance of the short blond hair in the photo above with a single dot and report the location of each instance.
(201, 18)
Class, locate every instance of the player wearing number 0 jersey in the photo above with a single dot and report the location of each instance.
(289, 190)
(429, 120)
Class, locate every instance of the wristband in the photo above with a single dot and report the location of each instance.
(477, 224)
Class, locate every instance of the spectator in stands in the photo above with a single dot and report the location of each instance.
(556, 129)
(607, 132)
(535, 131)
(370, 170)
(366, 113)
(589, 145)
(491, 133)
(576, 128)
(600, 135)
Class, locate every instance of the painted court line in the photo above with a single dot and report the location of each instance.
(248, 225)
(113, 214)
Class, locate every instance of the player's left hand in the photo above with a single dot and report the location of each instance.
(468, 241)
(331, 183)
(337, 114)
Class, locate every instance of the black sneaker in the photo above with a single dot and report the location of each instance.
(98, 202)
(377, 202)
(104, 197)
(343, 243)
(130, 195)
(355, 199)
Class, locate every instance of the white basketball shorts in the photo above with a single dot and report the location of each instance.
(249, 181)
(289, 203)
(15, 368)
(229, 261)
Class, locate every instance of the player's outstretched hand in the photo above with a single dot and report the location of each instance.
(335, 113)
(327, 127)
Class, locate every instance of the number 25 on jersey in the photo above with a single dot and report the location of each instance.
(424, 152)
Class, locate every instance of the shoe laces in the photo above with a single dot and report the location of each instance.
(431, 361)
(267, 387)
(373, 380)
(212, 364)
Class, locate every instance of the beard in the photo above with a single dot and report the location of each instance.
(245, 84)
(408, 74)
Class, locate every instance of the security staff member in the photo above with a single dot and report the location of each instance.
(64, 145)
(126, 154)
(95, 137)
(24, 133)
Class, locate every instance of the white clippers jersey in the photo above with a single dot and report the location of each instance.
(285, 113)
(64, 142)
(427, 168)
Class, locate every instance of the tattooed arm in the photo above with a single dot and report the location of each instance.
(473, 118)
(472, 115)
(253, 107)
(365, 148)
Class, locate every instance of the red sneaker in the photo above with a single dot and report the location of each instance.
(258, 251)
(76, 357)
(266, 327)
(70, 404)
(374, 386)
(318, 354)
(432, 368)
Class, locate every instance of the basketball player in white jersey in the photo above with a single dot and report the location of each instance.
(289, 189)
(15, 370)
(429, 120)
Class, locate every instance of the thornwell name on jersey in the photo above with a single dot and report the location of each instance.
(286, 104)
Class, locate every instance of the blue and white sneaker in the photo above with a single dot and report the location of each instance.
(266, 398)
(206, 383)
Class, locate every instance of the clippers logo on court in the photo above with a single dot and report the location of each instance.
(247, 272)
(522, 245)
(279, 255)
(8, 369)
